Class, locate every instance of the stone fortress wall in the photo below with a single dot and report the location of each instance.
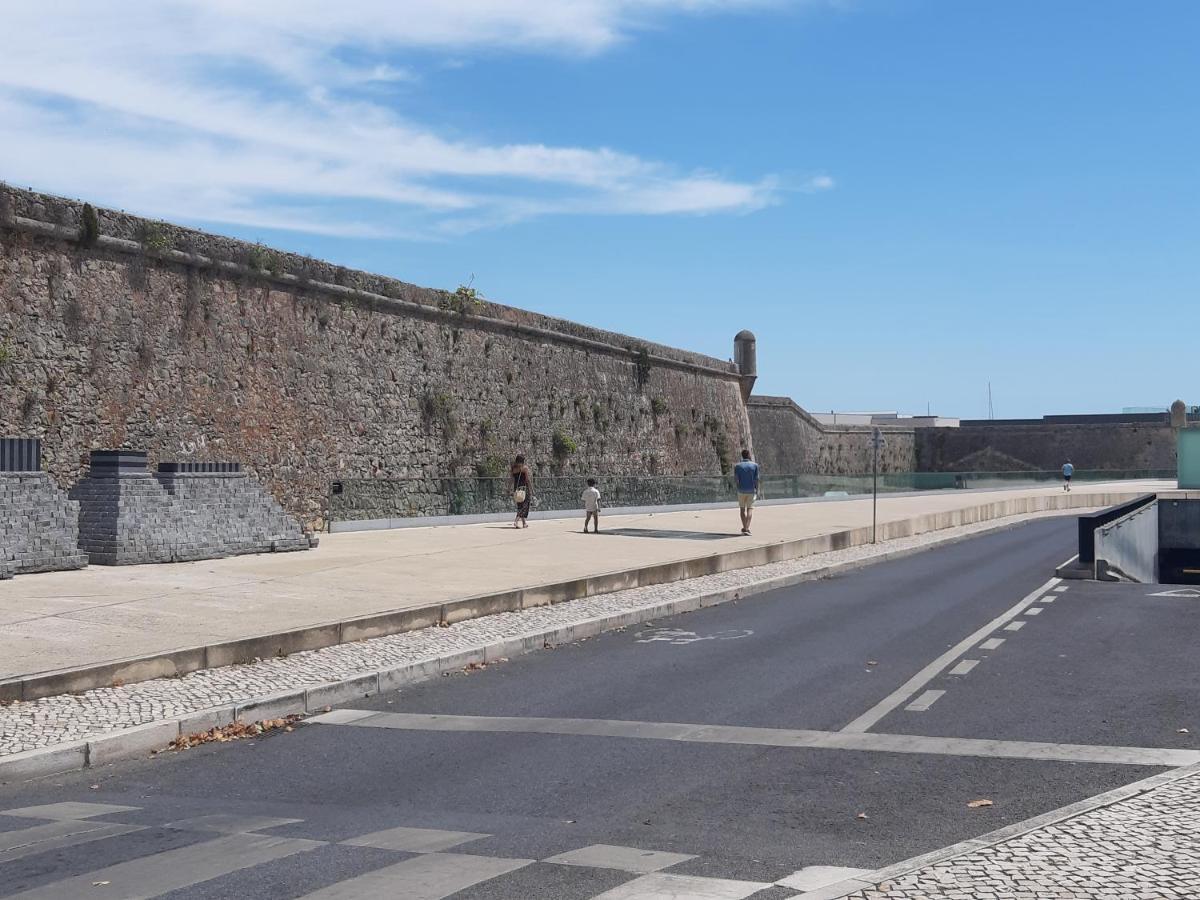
(788, 440)
(117, 331)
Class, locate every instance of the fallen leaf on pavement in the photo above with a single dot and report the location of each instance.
(1183, 731)
(872, 662)
(233, 732)
(98, 883)
(93, 787)
(979, 804)
(862, 816)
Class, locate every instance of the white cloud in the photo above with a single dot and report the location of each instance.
(268, 113)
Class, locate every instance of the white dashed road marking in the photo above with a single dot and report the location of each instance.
(991, 644)
(964, 667)
(1014, 626)
(906, 691)
(925, 701)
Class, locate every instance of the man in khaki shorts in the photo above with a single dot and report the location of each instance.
(745, 474)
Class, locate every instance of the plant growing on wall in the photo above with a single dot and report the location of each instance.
(89, 226)
(437, 409)
(491, 467)
(720, 444)
(658, 406)
(153, 238)
(641, 365)
(562, 445)
(464, 300)
(6, 355)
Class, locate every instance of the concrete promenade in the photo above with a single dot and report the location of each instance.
(66, 620)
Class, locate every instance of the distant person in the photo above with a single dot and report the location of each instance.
(591, 505)
(1068, 471)
(522, 491)
(745, 474)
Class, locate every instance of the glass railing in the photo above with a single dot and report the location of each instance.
(360, 499)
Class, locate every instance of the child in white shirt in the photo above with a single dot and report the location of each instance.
(591, 503)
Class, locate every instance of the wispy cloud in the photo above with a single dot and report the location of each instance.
(269, 114)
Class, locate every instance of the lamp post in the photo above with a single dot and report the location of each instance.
(876, 443)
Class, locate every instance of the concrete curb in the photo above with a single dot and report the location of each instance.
(139, 740)
(871, 880)
(313, 637)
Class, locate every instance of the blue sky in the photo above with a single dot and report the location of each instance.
(904, 199)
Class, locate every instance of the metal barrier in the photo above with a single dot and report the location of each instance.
(1089, 523)
(20, 455)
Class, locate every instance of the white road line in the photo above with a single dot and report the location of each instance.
(624, 859)
(55, 836)
(661, 886)
(1061, 588)
(991, 644)
(171, 870)
(906, 691)
(1033, 611)
(1049, 598)
(964, 667)
(812, 877)
(926, 700)
(415, 840)
(1014, 626)
(64, 811)
(783, 737)
(429, 877)
(228, 823)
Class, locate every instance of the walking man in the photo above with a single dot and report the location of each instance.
(1068, 471)
(745, 474)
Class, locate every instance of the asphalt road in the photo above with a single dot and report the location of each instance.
(738, 790)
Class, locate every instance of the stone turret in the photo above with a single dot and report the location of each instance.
(1178, 414)
(745, 355)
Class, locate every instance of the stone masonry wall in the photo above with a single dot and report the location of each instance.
(198, 347)
(1045, 447)
(39, 526)
(789, 441)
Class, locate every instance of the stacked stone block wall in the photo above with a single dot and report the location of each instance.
(39, 526)
(200, 347)
(789, 441)
(133, 518)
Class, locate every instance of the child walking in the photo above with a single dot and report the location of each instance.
(591, 503)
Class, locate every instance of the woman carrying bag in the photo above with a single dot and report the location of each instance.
(522, 491)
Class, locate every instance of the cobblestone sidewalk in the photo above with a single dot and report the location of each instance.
(71, 717)
(1145, 847)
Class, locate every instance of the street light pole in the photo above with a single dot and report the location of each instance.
(876, 441)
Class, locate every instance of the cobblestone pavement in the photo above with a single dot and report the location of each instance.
(70, 717)
(1143, 848)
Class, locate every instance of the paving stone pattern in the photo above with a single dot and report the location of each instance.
(142, 518)
(52, 720)
(1143, 848)
(39, 526)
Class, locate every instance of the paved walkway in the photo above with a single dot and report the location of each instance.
(1140, 847)
(69, 619)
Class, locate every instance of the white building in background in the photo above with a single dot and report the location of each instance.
(885, 418)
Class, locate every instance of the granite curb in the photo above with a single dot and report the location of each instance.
(871, 880)
(140, 740)
(313, 637)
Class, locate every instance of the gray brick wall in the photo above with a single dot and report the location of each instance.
(136, 518)
(39, 526)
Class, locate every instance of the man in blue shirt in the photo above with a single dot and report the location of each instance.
(745, 474)
(1068, 471)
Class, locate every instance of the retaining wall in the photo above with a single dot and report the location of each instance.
(787, 440)
(197, 347)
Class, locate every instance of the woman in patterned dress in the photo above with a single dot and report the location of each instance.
(522, 491)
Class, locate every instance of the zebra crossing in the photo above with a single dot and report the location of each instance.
(427, 864)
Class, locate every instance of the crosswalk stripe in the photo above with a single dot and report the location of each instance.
(661, 886)
(429, 877)
(227, 823)
(171, 870)
(72, 811)
(415, 840)
(55, 836)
